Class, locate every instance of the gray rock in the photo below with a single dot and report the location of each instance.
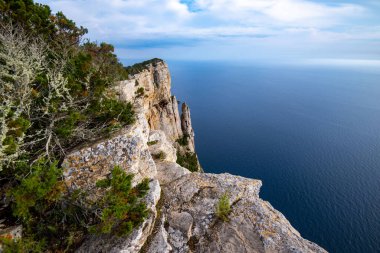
(182, 221)
(187, 127)
(253, 226)
(167, 172)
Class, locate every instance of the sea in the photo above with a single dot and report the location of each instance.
(310, 132)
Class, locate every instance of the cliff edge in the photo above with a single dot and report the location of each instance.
(182, 200)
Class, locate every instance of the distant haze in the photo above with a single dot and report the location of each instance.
(254, 30)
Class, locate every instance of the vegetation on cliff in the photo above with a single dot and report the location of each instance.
(223, 207)
(188, 160)
(138, 67)
(54, 96)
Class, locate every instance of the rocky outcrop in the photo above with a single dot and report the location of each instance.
(187, 127)
(182, 205)
(127, 149)
(149, 90)
(191, 225)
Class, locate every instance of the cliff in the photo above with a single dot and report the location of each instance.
(182, 214)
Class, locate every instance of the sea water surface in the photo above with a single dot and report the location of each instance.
(310, 133)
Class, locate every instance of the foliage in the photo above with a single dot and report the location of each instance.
(54, 219)
(223, 207)
(151, 143)
(184, 140)
(55, 93)
(140, 92)
(50, 219)
(188, 160)
(37, 191)
(122, 206)
(139, 67)
(21, 245)
(37, 19)
(159, 156)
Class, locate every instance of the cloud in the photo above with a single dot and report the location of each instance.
(344, 62)
(163, 24)
(198, 17)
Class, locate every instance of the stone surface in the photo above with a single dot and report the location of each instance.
(253, 226)
(187, 127)
(159, 106)
(158, 143)
(127, 149)
(169, 171)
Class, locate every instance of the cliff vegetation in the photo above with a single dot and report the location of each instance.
(54, 93)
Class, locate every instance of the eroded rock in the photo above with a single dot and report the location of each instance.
(253, 226)
(128, 149)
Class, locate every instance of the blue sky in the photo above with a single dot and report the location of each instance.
(253, 30)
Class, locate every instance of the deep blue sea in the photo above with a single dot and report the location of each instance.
(311, 134)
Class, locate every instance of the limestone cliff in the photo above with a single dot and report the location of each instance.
(182, 214)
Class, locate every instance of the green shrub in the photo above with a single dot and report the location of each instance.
(50, 219)
(151, 143)
(189, 161)
(159, 156)
(112, 109)
(68, 125)
(64, 100)
(223, 207)
(140, 92)
(21, 245)
(139, 67)
(37, 191)
(122, 206)
(183, 141)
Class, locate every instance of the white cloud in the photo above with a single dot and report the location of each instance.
(276, 22)
(171, 17)
(344, 62)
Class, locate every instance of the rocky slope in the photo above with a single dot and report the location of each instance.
(181, 204)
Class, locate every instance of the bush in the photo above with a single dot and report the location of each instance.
(159, 156)
(140, 92)
(189, 161)
(183, 141)
(56, 220)
(50, 219)
(21, 245)
(139, 67)
(54, 90)
(151, 143)
(112, 109)
(37, 191)
(55, 93)
(122, 206)
(223, 207)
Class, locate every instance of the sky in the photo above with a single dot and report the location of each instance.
(248, 30)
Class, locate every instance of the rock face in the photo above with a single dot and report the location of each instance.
(127, 149)
(191, 225)
(186, 126)
(182, 205)
(160, 108)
